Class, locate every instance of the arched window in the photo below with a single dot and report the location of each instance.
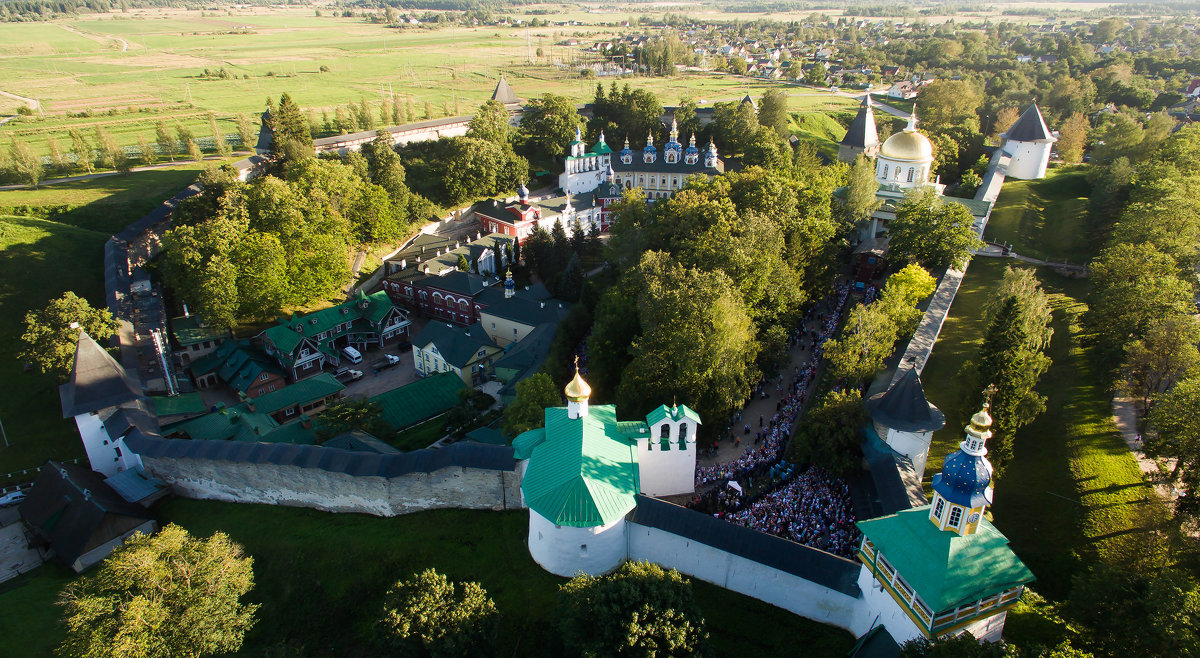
(683, 436)
(896, 173)
(939, 509)
(885, 170)
(911, 173)
(464, 305)
(955, 517)
(437, 298)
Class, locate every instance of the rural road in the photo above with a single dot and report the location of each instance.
(32, 104)
(95, 37)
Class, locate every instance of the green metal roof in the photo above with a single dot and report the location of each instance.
(189, 330)
(663, 411)
(289, 332)
(425, 398)
(946, 570)
(585, 472)
(458, 346)
(526, 441)
(314, 388)
(178, 405)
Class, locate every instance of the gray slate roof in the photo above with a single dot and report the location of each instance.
(904, 407)
(97, 381)
(1031, 127)
(75, 511)
(457, 345)
(862, 132)
(463, 454)
(504, 93)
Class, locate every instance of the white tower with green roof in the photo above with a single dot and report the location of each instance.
(943, 568)
(582, 472)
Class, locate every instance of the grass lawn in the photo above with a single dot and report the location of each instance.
(420, 435)
(40, 259)
(107, 204)
(1073, 492)
(1045, 219)
(820, 129)
(321, 578)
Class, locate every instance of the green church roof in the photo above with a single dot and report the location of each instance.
(946, 570)
(663, 411)
(582, 472)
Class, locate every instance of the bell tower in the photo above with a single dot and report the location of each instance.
(963, 490)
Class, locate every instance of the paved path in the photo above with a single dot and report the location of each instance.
(16, 557)
(996, 251)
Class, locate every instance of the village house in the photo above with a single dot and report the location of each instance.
(245, 370)
(465, 351)
(303, 346)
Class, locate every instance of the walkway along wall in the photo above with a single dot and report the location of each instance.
(462, 475)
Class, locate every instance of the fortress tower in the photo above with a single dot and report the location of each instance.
(582, 472)
(943, 568)
(1028, 144)
(862, 136)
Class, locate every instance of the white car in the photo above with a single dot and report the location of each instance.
(12, 498)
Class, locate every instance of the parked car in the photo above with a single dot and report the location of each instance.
(347, 375)
(352, 355)
(388, 361)
(12, 498)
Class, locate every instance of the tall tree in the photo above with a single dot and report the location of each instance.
(1177, 429)
(427, 615)
(861, 186)
(534, 395)
(291, 135)
(935, 233)
(549, 123)
(1072, 138)
(945, 104)
(490, 123)
(351, 414)
(1167, 355)
(773, 111)
(27, 164)
(167, 594)
(245, 131)
(167, 145)
(867, 338)
(1133, 286)
(829, 436)
(51, 333)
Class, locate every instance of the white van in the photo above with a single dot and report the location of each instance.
(352, 355)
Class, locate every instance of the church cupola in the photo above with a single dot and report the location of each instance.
(692, 154)
(673, 149)
(963, 490)
(710, 158)
(610, 175)
(577, 392)
(577, 146)
(626, 153)
(510, 286)
(523, 194)
(649, 154)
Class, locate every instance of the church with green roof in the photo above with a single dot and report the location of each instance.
(581, 475)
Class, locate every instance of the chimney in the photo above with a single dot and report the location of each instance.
(305, 421)
(250, 405)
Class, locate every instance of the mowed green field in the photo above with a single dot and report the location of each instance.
(1045, 219)
(147, 66)
(321, 577)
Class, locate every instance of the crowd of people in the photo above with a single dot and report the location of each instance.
(812, 508)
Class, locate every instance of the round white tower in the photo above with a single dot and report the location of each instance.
(1028, 144)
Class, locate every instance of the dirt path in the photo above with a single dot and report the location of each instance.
(1125, 415)
(31, 103)
(98, 38)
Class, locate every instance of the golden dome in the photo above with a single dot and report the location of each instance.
(982, 418)
(578, 390)
(909, 145)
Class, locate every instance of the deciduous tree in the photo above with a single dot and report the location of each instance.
(549, 123)
(51, 333)
(427, 615)
(640, 609)
(829, 436)
(534, 395)
(490, 123)
(1072, 138)
(935, 233)
(167, 594)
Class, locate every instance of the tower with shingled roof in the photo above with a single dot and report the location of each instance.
(1027, 145)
